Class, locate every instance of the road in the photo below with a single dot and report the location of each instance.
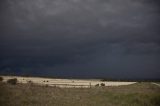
(156, 84)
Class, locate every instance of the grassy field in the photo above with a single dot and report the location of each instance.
(139, 94)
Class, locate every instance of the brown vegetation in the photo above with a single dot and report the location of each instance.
(12, 81)
(1, 78)
(140, 94)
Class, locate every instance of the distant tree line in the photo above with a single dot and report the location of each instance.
(131, 80)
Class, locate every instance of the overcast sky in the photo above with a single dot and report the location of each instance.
(80, 38)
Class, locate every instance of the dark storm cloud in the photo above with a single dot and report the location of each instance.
(115, 38)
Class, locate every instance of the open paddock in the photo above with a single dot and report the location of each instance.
(66, 83)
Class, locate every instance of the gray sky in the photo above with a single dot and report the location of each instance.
(80, 38)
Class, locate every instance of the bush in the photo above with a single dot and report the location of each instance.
(1, 78)
(12, 81)
(29, 82)
(102, 84)
(97, 85)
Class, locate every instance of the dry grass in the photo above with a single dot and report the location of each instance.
(140, 94)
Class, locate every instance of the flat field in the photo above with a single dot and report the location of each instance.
(29, 94)
(65, 83)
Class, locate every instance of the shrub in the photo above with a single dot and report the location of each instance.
(12, 81)
(29, 82)
(102, 84)
(97, 85)
(1, 78)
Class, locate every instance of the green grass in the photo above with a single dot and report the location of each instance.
(139, 94)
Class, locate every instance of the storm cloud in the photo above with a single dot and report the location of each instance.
(80, 38)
